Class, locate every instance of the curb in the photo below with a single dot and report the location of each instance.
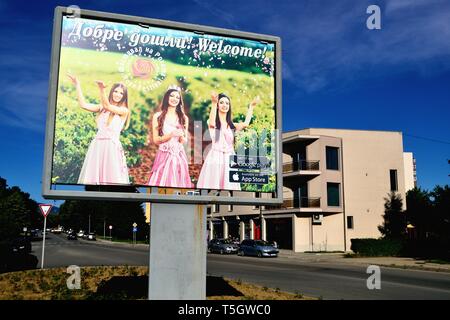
(112, 243)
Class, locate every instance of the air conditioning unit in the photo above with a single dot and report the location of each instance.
(317, 218)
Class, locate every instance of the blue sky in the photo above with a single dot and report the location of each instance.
(396, 78)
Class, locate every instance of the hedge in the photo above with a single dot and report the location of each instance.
(376, 247)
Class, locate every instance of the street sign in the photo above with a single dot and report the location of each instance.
(45, 209)
(134, 229)
(135, 225)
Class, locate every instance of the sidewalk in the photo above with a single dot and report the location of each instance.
(399, 262)
(311, 257)
(393, 262)
(123, 244)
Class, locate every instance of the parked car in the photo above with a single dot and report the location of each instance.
(91, 236)
(57, 230)
(258, 248)
(80, 234)
(222, 246)
(35, 235)
(72, 236)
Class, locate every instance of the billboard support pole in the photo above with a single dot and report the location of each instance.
(177, 265)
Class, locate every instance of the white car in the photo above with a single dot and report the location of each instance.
(80, 234)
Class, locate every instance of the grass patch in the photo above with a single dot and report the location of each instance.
(438, 261)
(119, 283)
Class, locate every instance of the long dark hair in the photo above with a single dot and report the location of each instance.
(165, 106)
(228, 118)
(122, 103)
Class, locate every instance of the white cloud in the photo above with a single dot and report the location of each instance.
(329, 45)
(218, 13)
(24, 104)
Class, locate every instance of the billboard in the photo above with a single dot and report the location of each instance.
(150, 103)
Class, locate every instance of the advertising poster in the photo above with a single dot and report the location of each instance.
(151, 106)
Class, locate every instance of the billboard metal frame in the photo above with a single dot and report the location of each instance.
(153, 196)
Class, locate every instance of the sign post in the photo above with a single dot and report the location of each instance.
(171, 277)
(134, 232)
(45, 210)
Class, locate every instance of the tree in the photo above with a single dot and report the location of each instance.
(441, 213)
(16, 211)
(394, 225)
(419, 211)
(120, 214)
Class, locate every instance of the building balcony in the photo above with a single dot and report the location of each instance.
(299, 205)
(303, 167)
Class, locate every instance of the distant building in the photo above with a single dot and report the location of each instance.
(410, 171)
(335, 182)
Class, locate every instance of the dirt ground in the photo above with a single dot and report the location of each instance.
(119, 283)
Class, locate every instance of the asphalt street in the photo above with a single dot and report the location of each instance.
(329, 279)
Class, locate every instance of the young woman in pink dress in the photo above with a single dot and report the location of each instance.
(105, 161)
(170, 133)
(215, 170)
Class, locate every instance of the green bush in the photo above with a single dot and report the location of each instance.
(376, 247)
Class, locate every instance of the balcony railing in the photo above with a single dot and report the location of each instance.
(292, 203)
(311, 165)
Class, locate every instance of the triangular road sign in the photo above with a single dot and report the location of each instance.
(45, 209)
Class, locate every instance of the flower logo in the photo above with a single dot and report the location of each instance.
(142, 68)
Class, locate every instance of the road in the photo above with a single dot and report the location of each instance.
(327, 279)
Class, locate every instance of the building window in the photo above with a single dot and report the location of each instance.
(230, 207)
(332, 154)
(349, 222)
(257, 195)
(393, 176)
(333, 198)
(216, 208)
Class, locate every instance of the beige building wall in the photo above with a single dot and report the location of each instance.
(302, 234)
(367, 158)
(408, 161)
(318, 186)
(329, 236)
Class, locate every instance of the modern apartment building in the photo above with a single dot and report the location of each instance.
(335, 182)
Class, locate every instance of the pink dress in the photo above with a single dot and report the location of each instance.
(215, 173)
(170, 168)
(105, 161)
